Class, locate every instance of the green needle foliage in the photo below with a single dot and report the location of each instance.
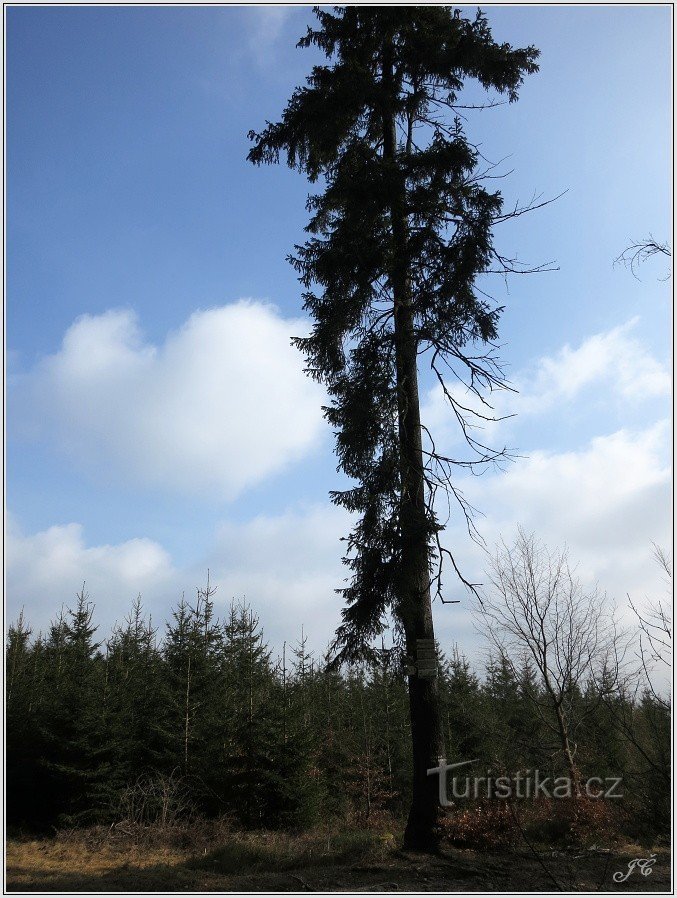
(397, 241)
(404, 223)
(96, 731)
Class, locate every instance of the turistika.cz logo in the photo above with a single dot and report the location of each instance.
(529, 784)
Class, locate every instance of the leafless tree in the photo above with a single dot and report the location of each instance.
(535, 608)
(640, 709)
(160, 800)
(655, 633)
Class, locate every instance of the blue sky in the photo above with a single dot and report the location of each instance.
(150, 438)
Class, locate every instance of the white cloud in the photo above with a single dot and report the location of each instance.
(607, 499)
(617, 365)
(614, 359)
(222, 404)
(46, 569)
(286, 567)
(606, 502)
(597, 479)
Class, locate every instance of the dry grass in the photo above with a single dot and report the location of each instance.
(46, 864)
(188, 857)
(211, 857)
(47, 857)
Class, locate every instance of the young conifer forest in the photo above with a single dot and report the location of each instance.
(199, 720)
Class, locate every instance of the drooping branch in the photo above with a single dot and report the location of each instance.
(640, 251)
(397, 241)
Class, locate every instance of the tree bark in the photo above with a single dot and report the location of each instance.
(562, 728)
(568, 753)
(414, 600)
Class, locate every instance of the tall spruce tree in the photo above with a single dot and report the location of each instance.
(398, 238)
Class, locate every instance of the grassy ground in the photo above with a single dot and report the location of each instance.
(101, 860)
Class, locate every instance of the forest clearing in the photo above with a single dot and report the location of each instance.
(323, 861)
(437, 659)
(313, 766)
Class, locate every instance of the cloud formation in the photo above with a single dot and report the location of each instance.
(615, 363)
(222, 404)
(614, 359)
(287, 567)
(45, 570)
(266, 25)
(606, 501)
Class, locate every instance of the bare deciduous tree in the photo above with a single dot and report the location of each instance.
(162, 800)
(641, 710)
(537, 609)
(655, 633)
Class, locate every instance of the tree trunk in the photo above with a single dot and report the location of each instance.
(562, 728)
(414, 602)
(186, 721)
(574, 773)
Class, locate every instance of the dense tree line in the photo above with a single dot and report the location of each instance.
(203, 720)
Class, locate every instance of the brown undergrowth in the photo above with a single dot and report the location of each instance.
(212, 856)
(503, 826)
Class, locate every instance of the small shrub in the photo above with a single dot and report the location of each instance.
(162, 800)
(486, 825)
(564, 822)
(572, 821)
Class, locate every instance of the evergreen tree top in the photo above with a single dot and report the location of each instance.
(432, 50)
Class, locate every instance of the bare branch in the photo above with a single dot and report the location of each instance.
(639, 251)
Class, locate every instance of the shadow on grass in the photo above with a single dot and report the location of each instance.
(127, 878)
(242, 856)
(345, 862)
(256, 866)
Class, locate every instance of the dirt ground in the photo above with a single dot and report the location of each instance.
(70, 866)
